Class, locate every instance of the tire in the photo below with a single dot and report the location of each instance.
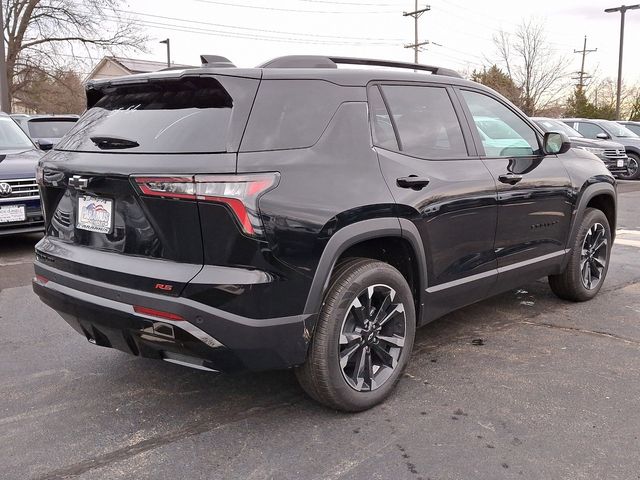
(634, 167)
(346, 337)
(588, 264)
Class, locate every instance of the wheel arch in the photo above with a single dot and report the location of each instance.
(600, 195)
(368, 235)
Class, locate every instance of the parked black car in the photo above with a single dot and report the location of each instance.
(633, 126)
(611, 153)
(45, 130)
(20, 210)
(300, 215)
(609, 130)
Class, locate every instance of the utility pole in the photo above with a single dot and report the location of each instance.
(417, 13)
(168, 43)
(4, 82)
(582, 73)
(623, 10)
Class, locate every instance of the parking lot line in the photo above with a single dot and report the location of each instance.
(628, 232)
(630, 243)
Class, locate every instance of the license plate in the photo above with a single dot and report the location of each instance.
(12, 213)
(94, 214)
(621, 163)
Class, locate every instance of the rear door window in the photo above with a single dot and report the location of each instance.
(292, 113)
(383, 134)
(426, 121)
(187, 115)
(589, 130)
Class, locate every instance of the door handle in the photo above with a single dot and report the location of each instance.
(510, 178)
(413, 182)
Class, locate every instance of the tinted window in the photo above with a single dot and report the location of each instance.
(12, 137)
(634, 128)
(49, 128)
(503, 133)
(549, 125)
(383, 134)
(291, 114)
(589, 130)
(191, 114)
(426, 121)
(618, 130)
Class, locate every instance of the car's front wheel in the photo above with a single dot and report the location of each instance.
(633, 172)
(589, 261)
(363, 338)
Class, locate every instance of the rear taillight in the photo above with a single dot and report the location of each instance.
(168, 187)
(240, 193)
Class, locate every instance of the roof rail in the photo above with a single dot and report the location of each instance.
(319, 61)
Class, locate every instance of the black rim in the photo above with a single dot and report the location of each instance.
(593, 259)
(633, 167)
(372, 338)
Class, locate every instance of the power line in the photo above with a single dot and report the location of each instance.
(351, 3)
(292, 10)
(219, 33)
(185, 20)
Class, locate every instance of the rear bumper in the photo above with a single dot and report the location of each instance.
(206, 338)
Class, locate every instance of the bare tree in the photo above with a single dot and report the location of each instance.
(43, 35)
(532, 64)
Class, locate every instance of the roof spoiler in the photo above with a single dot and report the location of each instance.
(319, 61)
(216, 61)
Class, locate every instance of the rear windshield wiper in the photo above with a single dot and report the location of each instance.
(113, 143)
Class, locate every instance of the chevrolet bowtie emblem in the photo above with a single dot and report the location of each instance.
(78, 182)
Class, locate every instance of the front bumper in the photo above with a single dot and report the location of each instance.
(33, 223)
(612, 164)
(206, 338)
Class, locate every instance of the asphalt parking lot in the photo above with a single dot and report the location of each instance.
(523, 385)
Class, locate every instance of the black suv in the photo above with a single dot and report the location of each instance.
(300, 215)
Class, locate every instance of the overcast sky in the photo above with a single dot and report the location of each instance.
(250, 31)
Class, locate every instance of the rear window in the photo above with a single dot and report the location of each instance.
(291, 114)
(50, 128)
(186, 115)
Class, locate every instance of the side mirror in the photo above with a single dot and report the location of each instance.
(603, 136)
(556, 143)
(44, 144)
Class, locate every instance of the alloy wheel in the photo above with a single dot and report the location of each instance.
(593, 259)
(633, 167)
(372, 338)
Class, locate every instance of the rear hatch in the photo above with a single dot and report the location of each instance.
(118, 191)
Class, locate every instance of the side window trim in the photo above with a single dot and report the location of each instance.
(474, 128)
(392, 120)
(469, 123)
(467, 133)
(375, 87)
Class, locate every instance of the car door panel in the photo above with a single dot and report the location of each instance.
(455, 214)
(534, 193)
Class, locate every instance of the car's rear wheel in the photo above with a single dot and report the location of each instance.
(363, 338)
(589, 262)
(634, 167)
